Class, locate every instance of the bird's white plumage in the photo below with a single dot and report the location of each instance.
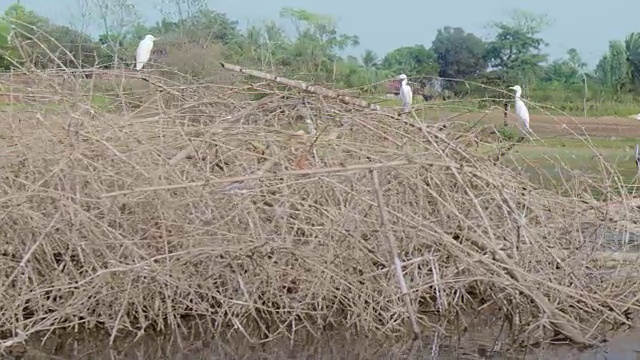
(521, 109)
(144, 51)
(406, 94)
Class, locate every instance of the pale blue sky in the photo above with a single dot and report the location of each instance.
(588, 28)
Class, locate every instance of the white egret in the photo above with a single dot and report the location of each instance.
(406, 95)
(521, 110)
(144, 51)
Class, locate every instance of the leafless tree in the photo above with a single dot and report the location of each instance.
(117, 18)
(80, 23)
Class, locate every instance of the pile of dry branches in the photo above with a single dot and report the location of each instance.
(282, 214)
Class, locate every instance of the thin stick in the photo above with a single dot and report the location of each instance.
(157, 84)
(331, 170)
(303, 86)
(394, 254)
(26, 258)
(191, 148)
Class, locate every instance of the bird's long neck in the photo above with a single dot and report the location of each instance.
(518, 93)
(404, 82)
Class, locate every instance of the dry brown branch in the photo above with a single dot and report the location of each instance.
(14, 347)
(393, 251)
(258, 176)
(219, 206)
(303, 86)
(189, 150)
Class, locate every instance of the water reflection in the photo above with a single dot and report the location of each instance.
(335, 346)
(332, 346)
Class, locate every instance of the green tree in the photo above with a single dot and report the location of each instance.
(25, 29)
(370, 59)
(612, 71)
(206, 26)
(575, 60)
(26, 23)
(411, 60)
(566, 71)
(517, 47)
(44, 43)
(6, 51)
(417, 62)
(266, 46)
(118, 18)
(460, 55)
(318, 41)
(632, 47)
(70, 47)
(562, 71)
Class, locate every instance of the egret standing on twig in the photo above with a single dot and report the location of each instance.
(521, 110)
(406, 95)
(144, 51)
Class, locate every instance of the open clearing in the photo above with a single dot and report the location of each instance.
(545, 125)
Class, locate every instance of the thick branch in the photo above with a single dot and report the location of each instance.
(303, 86)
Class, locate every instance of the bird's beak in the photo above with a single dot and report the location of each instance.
(512, 88)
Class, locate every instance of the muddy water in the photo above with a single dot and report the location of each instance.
(625, 346)
(622, 347)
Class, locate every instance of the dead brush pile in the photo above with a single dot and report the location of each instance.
(224, 211)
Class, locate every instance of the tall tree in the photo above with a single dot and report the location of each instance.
(567, 71)
(612, 71)
(265, 45)
(632, 47)
(459, 54)
(81, 19)
(7, 53)
(178, 10)
(369, 59)
(575, 60)
(118, 17)
(318, 41)
(417, 62)
(517, 47)
(411, 60)
(38, 39)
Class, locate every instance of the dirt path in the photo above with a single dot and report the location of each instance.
(545, 125)
(605, 126)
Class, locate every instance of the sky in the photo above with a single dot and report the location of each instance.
(390, 25)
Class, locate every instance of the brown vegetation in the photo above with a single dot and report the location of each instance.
(109, 221)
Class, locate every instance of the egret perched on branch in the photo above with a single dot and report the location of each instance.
(406, 95)
(521, 110)
(144, 51)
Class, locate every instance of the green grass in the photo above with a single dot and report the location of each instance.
(5, 106)
(102, 102)
(553, 161)
(573, 108)
(98, 101)
(558, 162)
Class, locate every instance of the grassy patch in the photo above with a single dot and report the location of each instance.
(608, 164)
(102, 102)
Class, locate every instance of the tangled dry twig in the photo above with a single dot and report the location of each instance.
(225, 212)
